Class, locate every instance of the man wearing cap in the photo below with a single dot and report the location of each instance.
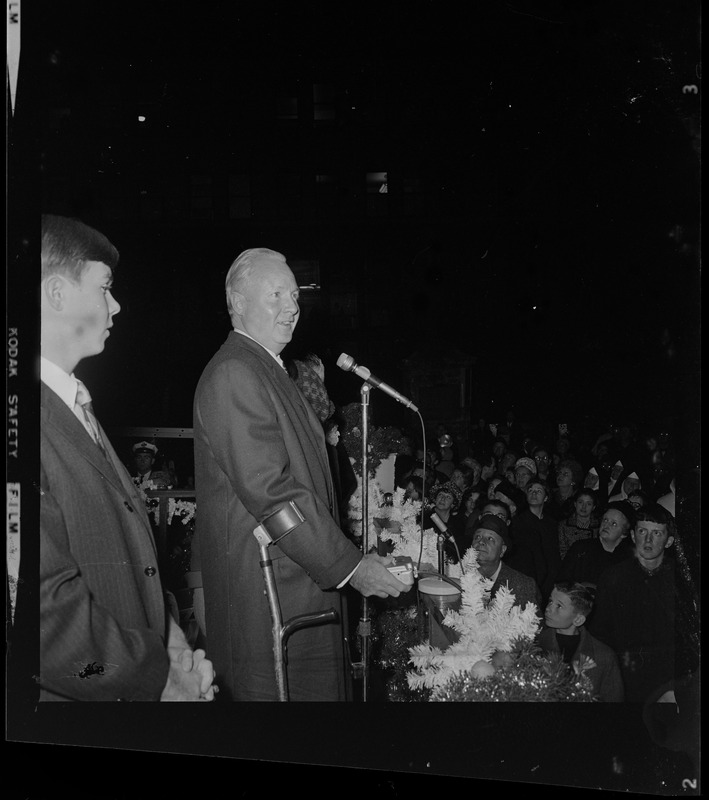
(587, 559)
(143, 473)
(104, 630)
(491, 541)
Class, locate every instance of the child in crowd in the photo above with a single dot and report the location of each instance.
(567, 610)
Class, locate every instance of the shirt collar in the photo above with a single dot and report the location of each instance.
(60, 382)
(494, 577)
(273, 355)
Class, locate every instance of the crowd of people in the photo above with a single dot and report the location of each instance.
(585, 530)
(585, 533)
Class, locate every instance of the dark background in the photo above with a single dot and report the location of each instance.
(541, 217)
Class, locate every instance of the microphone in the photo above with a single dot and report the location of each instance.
(441, 525)
(348, 364)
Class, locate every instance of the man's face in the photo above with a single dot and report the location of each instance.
(559, 613)
(535, 493)
(333, 436)
(651, 540)
(499, 449)
(143, 462)
(614, 526)
(490, 508)
(268, 307)
(458, 479)
(89, 309)
(489, 546)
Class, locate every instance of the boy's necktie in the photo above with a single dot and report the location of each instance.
(83, 399)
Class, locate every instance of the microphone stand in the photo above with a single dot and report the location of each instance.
(364, 629)
(440, 544)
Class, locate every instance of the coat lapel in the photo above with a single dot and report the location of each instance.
(59, 416)
(309, 418)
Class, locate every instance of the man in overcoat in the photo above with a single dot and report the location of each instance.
(260, 447)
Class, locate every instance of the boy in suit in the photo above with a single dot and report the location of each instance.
(105, 633)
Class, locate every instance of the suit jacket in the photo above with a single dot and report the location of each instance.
(605, 676)
(523, 587)
(103, 621)
(258, 445)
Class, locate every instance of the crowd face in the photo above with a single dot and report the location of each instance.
(458, 479)
(564, 478)
(636, 500)
(470, 502)
(560, 613)
(412, 492)
(584, 506)
(333, 436)
(522, 477)
(591, 480)
(500, 513)
(498, 450)
(651, 539)
(631, 485)
(542, 459)
(444, 502)
(614, 526)
(536, 494)
(489, 546)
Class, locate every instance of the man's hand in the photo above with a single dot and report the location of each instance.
(190, 678)
(191, 675)
(373, 577)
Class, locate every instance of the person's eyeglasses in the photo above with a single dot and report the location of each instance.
(541, 458)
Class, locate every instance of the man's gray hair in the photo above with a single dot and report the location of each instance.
(244, 266)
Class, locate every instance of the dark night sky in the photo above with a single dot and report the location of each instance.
(555, 139)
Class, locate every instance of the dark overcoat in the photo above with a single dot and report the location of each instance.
(258, 445)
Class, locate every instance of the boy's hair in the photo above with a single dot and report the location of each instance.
(67, 244)
(654, 512)
(581, 596)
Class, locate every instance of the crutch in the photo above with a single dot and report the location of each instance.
(271, 530)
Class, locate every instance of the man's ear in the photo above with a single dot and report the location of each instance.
(579, 620)
(53, 291)
(237, 301)
(669, 541)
